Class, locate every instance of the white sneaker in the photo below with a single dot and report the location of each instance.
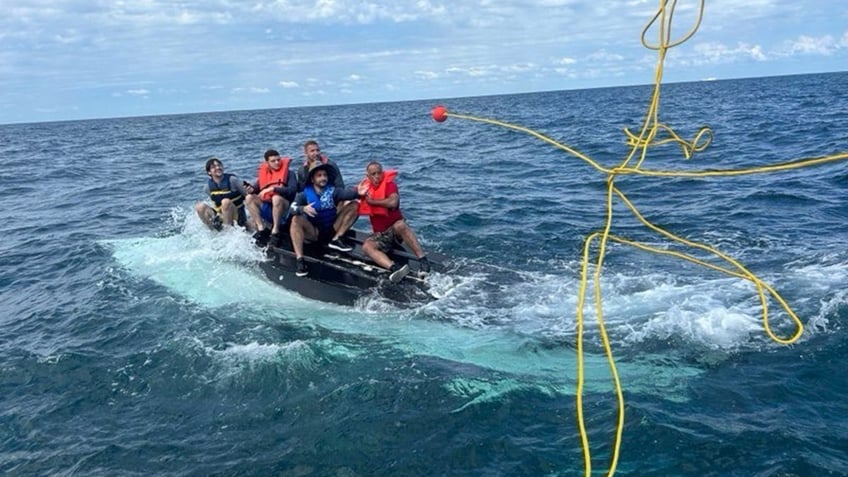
(398, 273)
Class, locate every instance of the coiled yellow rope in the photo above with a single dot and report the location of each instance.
(639, 145)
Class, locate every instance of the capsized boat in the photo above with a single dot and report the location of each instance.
(345, 277)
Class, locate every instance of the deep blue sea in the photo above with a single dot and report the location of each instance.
(135, 342)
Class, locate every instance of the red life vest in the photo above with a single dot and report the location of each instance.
(268, 177)
(376, 192)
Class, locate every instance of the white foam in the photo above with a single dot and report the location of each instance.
(296, 353)
(521, 323)
(193, 265)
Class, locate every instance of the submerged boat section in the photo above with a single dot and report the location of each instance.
(345, 277)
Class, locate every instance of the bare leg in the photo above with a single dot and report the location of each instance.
(228, 212)
(345, 218)
(206, 214)
(252, 202)
(296, 232)
(301, 228)
(280, 205)
(370, 248)
(405, 232)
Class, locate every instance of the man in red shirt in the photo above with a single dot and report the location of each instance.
(381, 202)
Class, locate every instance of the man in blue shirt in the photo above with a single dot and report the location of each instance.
(316, 217)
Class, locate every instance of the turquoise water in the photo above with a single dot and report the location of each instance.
(135, 342)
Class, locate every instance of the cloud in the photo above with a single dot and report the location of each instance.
(422, 48)
(604, 55)
(803, 45)
(138, 92)
(349, 11)
(471, 70)
(825, 45)
(251, 90)
(519, 67)
(715, 53)
(427, 75)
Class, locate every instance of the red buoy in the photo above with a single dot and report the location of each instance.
(440, 113)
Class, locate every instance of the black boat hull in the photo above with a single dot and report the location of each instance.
(345, 277)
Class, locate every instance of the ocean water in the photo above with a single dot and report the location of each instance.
(135, 342)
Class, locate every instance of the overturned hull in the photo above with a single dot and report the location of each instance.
(345, 277)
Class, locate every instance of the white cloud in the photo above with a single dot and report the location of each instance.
(824, 45)
(138, 92)
(427, 75)
(604, 55)
(471, 70)
(348, 11)
(422, 48)
(251, 90)
(714, 53)
(519, 67)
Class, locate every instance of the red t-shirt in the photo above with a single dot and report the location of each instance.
(380, 223)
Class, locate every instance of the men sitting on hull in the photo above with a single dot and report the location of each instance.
(381, 202)
(228, 194)
(316, 217)
(277, 188)
(312, 155)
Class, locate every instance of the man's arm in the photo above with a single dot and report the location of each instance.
(300, 207)
(301, 178)
(340, 195)
(237, 185)
(299, 200)
(289, 189)
(390, 202)
(338, 181)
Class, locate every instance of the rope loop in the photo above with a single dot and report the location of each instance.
(702, 140)
(639, 145)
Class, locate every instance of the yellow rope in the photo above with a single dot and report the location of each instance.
(639, 144)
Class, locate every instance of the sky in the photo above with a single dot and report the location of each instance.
(76, 59)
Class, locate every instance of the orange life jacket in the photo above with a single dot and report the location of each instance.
(376, 192)
(268, 177)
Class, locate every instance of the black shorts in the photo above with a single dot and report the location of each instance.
(241, 217)
(324, 235)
